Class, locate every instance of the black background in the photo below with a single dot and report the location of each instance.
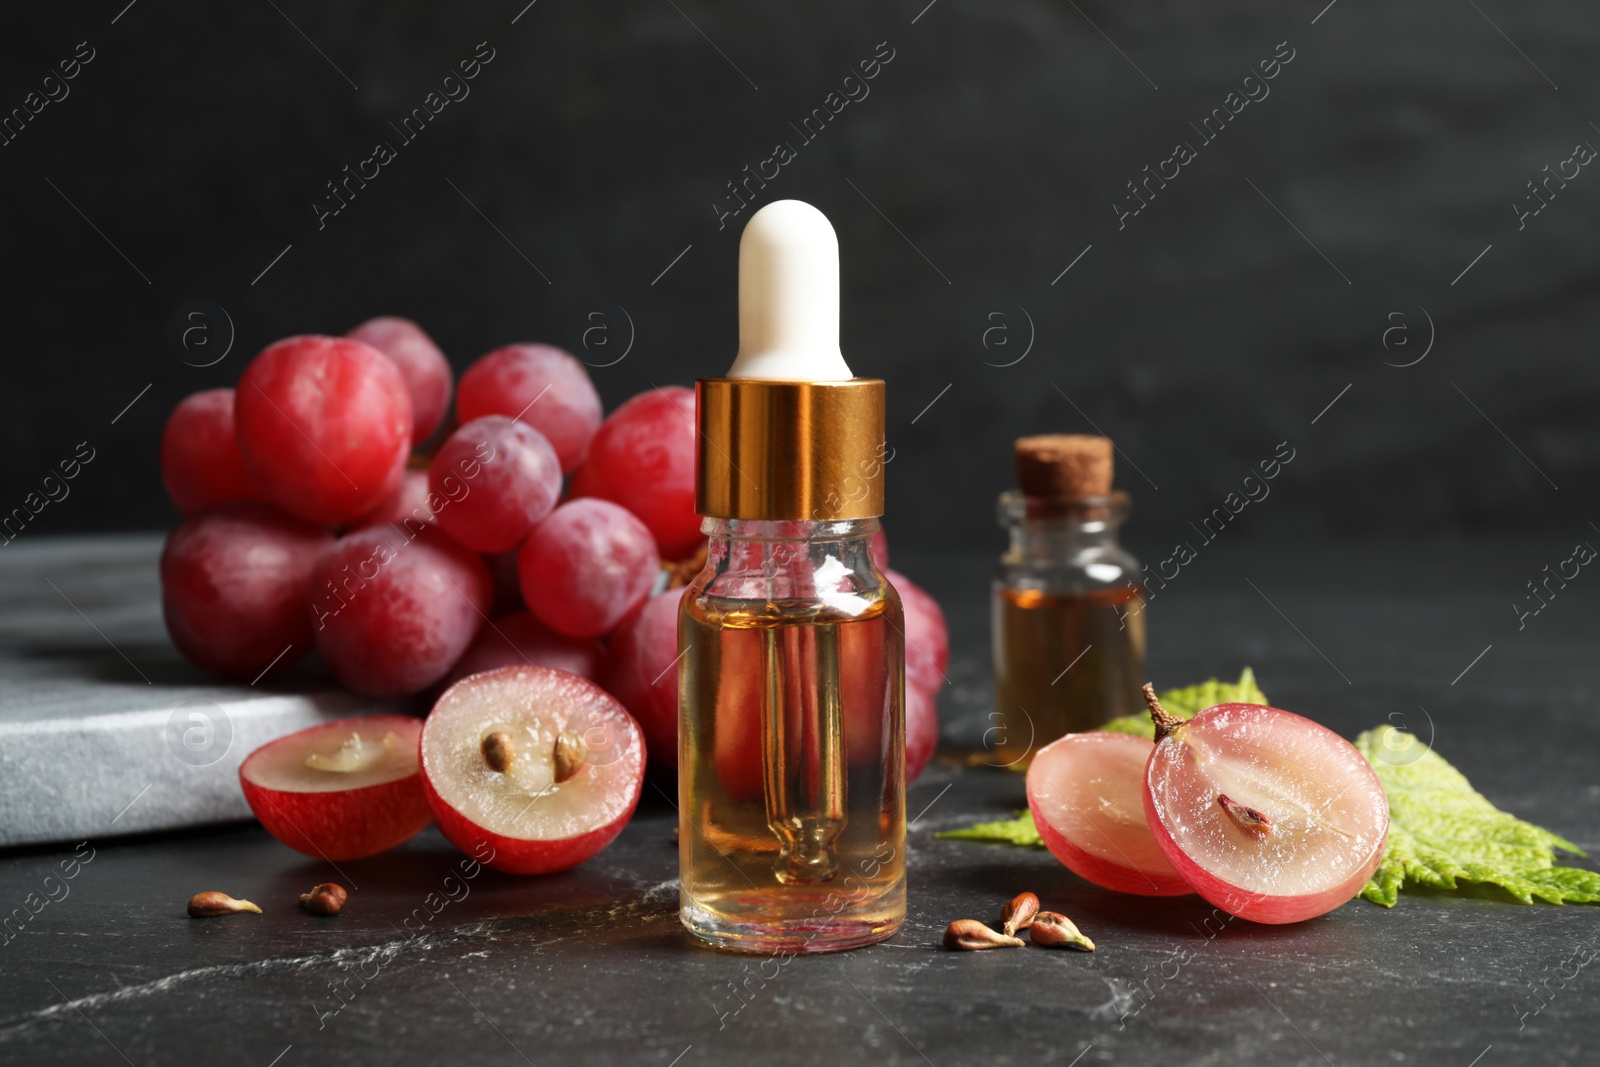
(1219, 322)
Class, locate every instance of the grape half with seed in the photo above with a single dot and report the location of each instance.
(1268, 815)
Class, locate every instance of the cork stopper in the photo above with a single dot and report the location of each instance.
(1064, 466)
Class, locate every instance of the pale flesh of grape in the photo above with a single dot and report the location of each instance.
(1086, 792)
(344, 755)
(1303, 824)
(533, 707)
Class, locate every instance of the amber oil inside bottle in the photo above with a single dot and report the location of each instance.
(791, 741)
(1068, 625)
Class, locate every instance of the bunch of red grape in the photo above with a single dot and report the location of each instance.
(317, 514)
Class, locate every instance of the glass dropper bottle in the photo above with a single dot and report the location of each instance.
(791, 761)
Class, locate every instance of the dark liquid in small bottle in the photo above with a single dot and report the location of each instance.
(1063, 663)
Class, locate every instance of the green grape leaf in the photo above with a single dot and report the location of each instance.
(1443, 832)
(1018, 831)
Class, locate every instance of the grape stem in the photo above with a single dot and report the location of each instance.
(1165, 722)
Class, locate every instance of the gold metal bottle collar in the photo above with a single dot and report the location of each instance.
(772, 450)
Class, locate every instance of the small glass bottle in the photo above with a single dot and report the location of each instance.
(792, 740)
(1068, 624)
(791, 684)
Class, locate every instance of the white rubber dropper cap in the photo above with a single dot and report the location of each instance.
(789, 297)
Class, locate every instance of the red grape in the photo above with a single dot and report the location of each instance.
(422, 365)
(1268, 815)
(200, 461)
(497, 477)
(324, 426)
(521, 640)
(507, 582)
(927, 639)
(922, 729)
(234, 582)
(638, 673)
(409, 507)
(393, 614)
(538, 385)
(587, 566)
(643, 459)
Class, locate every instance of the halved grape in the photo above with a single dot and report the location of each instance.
(1086, 792)
(340, 790)
(1266, 814)
(530, 769)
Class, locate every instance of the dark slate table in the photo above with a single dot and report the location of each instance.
(591, 966)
